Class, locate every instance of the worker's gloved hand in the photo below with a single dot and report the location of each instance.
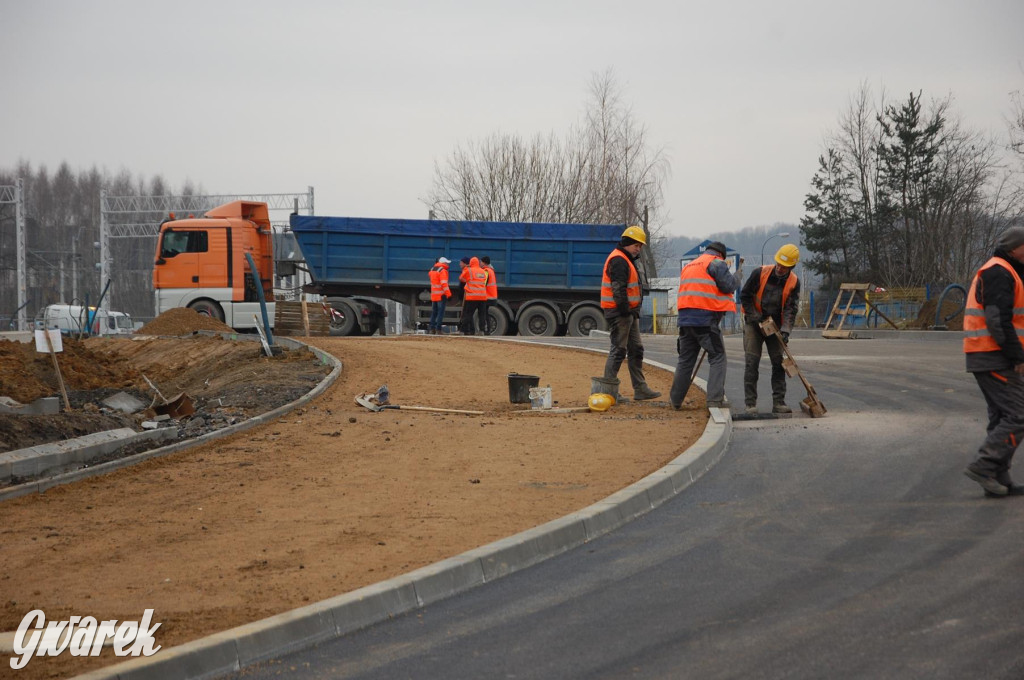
(785, 337)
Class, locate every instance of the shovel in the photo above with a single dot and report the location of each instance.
(369, 400)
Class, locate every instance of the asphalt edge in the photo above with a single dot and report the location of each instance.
(233, 650)
(41, 485)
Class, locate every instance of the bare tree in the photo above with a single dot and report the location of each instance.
(602, 171)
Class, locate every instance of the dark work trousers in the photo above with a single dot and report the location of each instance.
(437, 313)
(753, 340)
(1004, 395)
(484, 306)
(626, 346)
(469, 308)
(693, 339)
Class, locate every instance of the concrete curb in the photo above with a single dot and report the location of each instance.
(41, 485)
(237, 648)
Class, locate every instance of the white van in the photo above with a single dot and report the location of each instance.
(74, 319)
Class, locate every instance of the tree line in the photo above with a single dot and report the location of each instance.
(62, 215)
(906, 194)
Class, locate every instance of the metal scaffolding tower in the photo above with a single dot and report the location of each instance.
(140, 216)
(16, 194)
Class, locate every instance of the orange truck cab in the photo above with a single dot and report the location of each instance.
(201, 263)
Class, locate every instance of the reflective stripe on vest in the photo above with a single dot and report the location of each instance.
(492, 283)
(476, 284)
(787, 287)
(977, 337)
(438, 282)
(698, 290)
(632, 286)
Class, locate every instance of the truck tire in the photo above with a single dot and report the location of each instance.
(586, 319)
(346, 324)
(497, 322)
(208, 308)
(537, 321)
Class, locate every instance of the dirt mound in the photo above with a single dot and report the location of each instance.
(27, 375)
(926, 317)
(182, 321)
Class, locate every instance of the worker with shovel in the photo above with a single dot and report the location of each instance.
(771, 291)
(706, 288)
(993, 324)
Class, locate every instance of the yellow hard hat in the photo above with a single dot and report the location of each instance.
(600, 401)
(635, 233)
(788, 255)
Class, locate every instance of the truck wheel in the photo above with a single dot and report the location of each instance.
(208, 308)
(497, 322)
(343, 321)
(538, 321)
(584, 320)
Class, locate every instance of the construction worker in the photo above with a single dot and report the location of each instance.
(993, 325)
(492, 293)
(771, 291)
(475, 290)
(439, 294)
(706, 288)
(621, 297)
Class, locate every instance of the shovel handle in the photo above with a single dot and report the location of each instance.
(435, 410)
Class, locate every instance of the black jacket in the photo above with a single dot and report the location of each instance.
(995, 292)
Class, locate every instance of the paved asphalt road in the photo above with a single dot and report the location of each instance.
(849, 546)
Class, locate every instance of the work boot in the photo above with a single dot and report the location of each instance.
(988, 482)
(781, 408)
(1012, 489)
(751, 410)
(644, 392)
(718, 403)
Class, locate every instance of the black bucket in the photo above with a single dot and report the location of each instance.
(519, 387)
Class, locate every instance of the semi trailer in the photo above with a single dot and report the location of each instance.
(549, 275)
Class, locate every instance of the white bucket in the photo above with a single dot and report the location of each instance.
(540, 397)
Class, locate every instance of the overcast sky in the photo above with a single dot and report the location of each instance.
(359, 99)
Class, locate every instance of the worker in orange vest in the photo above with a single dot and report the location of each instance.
(621, 299)
(771, 291)
(439, 294)
(492, 294)
(706, 288)
(474, 280)
(993, 326)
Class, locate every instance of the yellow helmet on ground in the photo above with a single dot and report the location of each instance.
(788, 255)
(600, 401)
(635, 233)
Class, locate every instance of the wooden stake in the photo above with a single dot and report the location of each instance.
(305, 316)
(56, 367)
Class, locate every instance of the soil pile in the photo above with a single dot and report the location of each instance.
(27, 375)
(926, 317)
(183, 321)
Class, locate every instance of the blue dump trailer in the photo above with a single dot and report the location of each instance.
(549, 275)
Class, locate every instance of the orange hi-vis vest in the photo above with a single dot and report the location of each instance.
(976, 334)
(439, 282)
(698, 290)
(787, 287)
(492, 283)
(632, 286)
(476, 282)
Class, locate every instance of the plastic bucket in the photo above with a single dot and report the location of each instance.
(605, 386)
(519, 387)
(540, 397)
